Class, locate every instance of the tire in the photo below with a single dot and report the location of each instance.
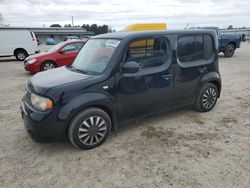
(207, 97)
(229, 51)
(21, 55)
(47, 65)
(89, 128)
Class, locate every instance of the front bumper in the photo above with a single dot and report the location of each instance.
(33, 68)
(42, 126)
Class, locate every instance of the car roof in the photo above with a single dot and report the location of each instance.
(73, 41)
(122, 35)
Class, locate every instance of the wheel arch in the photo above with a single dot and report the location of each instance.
(18, 49)
(213, 78)
(233, 43)
(105, 108)
(88, 100)
(217, 84)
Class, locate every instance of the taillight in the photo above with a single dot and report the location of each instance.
(33, 36)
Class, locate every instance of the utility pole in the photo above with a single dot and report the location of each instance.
(72, 19)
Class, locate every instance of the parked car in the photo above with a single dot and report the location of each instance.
(71, 38)
(50, 41)
(17, 42)
(114, 81)
(61, 54)
(227, 43)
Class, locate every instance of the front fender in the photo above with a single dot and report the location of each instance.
(76, 104)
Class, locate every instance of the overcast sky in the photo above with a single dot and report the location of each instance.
(119, 13)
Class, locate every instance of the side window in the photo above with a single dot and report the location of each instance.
(78, 46)
(72, 47)
(148, 53)
(194, 48)
(186, 48)
(208, 47)
(199, 48)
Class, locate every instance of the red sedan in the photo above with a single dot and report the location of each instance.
(61, 54)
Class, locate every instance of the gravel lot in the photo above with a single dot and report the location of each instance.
(178, 149)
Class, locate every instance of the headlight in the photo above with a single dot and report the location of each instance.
(31, 61)
(41, 103)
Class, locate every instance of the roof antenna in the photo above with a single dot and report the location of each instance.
(187, 26)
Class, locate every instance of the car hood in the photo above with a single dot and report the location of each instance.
(44, 81)
(34, 56)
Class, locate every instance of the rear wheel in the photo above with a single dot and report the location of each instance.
(21, 55)
(229, 51)
(207, 98)
(47, 65)
(89, 129)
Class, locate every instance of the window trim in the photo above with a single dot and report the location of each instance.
(151, 70)
(196, 62)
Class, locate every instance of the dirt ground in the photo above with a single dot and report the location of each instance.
(178, 149)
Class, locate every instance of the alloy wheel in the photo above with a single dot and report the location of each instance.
(209, 98)
(48, 66)
(21, 56)
(92, 130)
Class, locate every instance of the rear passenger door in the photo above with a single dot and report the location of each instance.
(195, 54)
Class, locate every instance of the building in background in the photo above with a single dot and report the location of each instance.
(57, 33)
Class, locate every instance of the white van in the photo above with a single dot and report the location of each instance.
(17, 42)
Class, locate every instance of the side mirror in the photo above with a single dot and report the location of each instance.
(61, 52)
(130, 67)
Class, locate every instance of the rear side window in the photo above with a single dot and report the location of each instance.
(194, 48)
(208, 47)
(148, 53)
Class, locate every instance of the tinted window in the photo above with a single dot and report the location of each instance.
(208, 46)
(195, 48)
(186, 48)
(199, 48)
(148, 53)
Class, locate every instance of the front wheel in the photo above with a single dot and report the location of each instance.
(89, 129)
(47, 65)
(229, 51)
(207, 98)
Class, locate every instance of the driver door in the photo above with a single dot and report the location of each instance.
(68, 53)
(150, 90)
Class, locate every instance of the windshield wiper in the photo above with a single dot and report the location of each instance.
(76, 69)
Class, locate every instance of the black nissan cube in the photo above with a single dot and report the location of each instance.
(118, 78)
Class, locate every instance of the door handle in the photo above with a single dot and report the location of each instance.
(166, 76)
(203, 69)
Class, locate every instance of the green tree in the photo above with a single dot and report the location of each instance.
(95, 28)
(55, 25)
(67, 25)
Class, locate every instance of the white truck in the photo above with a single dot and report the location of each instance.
(17, 42)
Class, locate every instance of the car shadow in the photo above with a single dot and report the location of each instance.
(65, 146)
(3, 60)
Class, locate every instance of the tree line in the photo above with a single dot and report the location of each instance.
(97, 29)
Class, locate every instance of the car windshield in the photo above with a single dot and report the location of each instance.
(95, 55)
(56, 47)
